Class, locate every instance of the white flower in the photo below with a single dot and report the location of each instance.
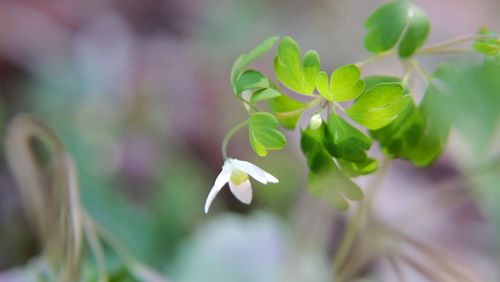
(235, 172)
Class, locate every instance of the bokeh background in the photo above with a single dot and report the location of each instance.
(139, 93)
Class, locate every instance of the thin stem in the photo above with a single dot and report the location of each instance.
(349, 236)
(397, 269)
(138, 269)
(421, 268)
(407, 74)
(250, 105)
(96, 247)
(229, 135)
(423, 73)
(444, 51)
(453, 42)
(337, 105)
(375, 185)
(354, 224)
(377, 57)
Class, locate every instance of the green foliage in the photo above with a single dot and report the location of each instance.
(349, 141)
(379, 105)
(334, 187)
(296, 74)
(487, 46)
(470, 98)
(250, 79)
(465, 95)
(326, 181)
(399, 20)
(263, 133)
(245, 59)
(419, 133)
(287, 110)
(345, 84)
(264, 94)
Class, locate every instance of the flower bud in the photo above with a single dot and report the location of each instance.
(315, 121)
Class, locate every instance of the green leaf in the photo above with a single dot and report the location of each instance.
(264, 94)
(435, 132)
(263, 133)
(325, 180)
(333, 186)
(373, 80)
(418, 134)
(353, 169)
(379, 105)
(251, 79)
(399, 138)
(489, 47)
(287, 110)
(245, 59)
(394, 21)
(345, 84)
(350, 142)
(299, 76)
(323, 86)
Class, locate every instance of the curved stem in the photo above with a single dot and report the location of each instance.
(229, 135)
(444, 51)
(349, 236)
(354, 224)
(96, 247)
(423, 73)
(453, 42)
(250, 105)
(377, 57)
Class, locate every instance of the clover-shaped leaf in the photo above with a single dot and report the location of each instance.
(353, 169)
(263, 133)
(379, 105)
(345, 84)
(350, 142)
(334, 187)
(245, 59)
(287, 110)
(489, 47)
(399, 20)
(251, 79)
(325, 180)
(264, 94)
(296, 74)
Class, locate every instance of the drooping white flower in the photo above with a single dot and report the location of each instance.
(236, 172)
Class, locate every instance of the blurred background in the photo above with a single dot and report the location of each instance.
(139, 93)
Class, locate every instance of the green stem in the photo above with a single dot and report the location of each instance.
(354, 224)
(348, 239)
(377, 57)
(229, 135)
(445, 51)
(453, 42)
(252, 106)
(416, 65)
(337, 105)
(96, 247)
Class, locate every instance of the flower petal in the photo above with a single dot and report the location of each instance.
(242, 192)
(220, 181)
(254, 171)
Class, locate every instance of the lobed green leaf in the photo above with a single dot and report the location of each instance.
(379, 105)
(245, 59)
(263, 133)
(287, 110)
(299, 76)
(399, 20)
